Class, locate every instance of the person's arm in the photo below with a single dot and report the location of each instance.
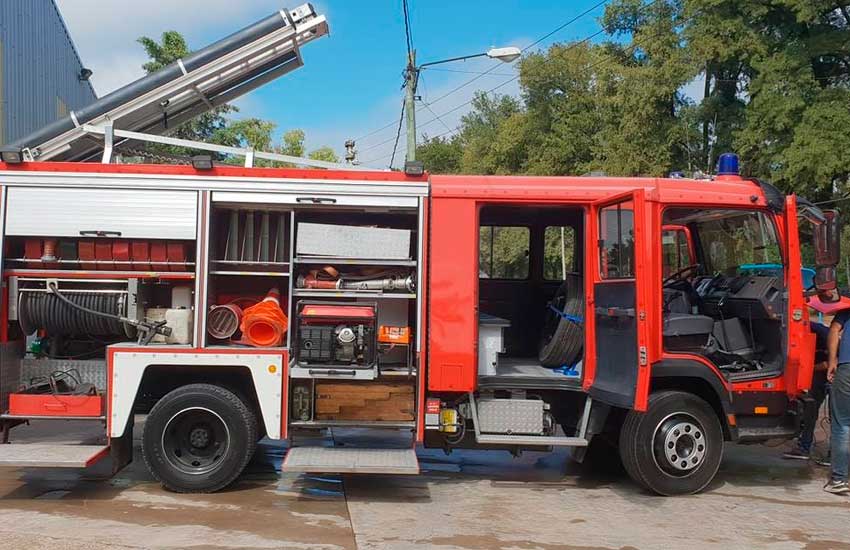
(835, 331)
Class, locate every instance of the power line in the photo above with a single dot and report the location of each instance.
(398, 133)
(571, 46)
(634, 46)
(492, 68)
(407, 31)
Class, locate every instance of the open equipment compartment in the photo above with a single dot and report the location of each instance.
(249, 260)
(347, 262)
(127, 254)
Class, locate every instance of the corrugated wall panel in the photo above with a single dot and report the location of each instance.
(40, 67)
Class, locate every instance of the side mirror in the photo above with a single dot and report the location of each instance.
(827, 256)
(826, 237)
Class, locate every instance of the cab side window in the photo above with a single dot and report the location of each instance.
(617, 241)
(503, 252)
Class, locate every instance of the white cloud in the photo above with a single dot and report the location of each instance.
(105, 32)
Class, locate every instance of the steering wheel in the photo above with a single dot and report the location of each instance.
(679, 274)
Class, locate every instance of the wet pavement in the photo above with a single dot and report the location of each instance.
(468, 500)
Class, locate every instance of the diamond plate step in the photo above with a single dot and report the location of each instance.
(51, 455)
(346, 460)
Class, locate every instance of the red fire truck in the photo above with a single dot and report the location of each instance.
(648, 318)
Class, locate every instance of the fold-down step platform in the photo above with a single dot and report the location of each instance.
(51, 455)
(346, 460)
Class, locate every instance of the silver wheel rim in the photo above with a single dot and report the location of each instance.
(679, 444)
(195, 440)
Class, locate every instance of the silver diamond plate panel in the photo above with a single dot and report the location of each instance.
(91, 371)
(510, 416)
(50, 455)
(351, 460)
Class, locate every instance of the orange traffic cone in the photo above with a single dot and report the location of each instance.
(263, 325)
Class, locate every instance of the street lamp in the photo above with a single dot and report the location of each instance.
(411, 80)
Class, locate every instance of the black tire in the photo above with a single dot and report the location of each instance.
(675, 447)
(602, 457)
(563, 339)
(199, 438)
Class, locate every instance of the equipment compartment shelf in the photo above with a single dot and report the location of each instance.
(79, 274)
(351, 294)
(252, 273)
(332, 260)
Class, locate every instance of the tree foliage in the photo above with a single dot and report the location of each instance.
(768, 80)
(776, 89)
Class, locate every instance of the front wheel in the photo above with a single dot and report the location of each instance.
(675, 447)
(199, 438)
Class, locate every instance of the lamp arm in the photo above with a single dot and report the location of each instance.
(461, 58)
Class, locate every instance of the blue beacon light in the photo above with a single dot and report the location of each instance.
(727, 165)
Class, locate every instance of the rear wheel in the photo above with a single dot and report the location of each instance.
(675, 447)
(198, 438)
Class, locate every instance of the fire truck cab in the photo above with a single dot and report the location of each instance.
(643, 318)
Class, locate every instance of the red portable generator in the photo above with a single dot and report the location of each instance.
(337, 334)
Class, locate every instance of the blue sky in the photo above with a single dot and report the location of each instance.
(350, 83)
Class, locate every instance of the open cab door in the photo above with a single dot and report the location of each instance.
(617, 369)
(800, 344)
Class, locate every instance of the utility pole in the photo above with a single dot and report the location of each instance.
(411, 78)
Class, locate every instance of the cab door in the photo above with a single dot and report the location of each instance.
(800, 344)
(617, 364)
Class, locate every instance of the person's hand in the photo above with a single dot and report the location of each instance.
(830, 371)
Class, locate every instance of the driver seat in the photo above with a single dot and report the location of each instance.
(687, 332)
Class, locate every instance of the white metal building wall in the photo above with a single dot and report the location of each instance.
(39, 66)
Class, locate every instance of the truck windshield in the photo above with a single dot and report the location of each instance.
(732, 240)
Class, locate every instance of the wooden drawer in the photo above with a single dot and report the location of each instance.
(371, 401)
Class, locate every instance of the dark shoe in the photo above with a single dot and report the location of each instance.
(798, 453)
(825, 461)
(837, 487)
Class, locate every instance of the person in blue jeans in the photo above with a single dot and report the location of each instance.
(818, 390)
(838, 374)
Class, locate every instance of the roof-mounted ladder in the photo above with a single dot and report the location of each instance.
(160, 102)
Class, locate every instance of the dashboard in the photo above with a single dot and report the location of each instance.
(750, 296)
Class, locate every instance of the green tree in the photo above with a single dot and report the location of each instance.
(440, 155)
(324, 153)
(209, 126)
(293, 143)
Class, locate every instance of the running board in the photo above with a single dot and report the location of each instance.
(541, 440)
(348, 460)
(51, 455)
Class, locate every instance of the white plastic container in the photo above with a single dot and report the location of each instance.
(491, 342)
(178, 320)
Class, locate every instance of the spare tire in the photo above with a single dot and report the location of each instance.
(563, 329)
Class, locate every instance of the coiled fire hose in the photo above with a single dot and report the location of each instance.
(146, 330)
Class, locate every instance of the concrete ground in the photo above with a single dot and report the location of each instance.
(468, 500)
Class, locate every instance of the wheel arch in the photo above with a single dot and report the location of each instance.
(696, 378)
(159, 380)
(138, 380)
